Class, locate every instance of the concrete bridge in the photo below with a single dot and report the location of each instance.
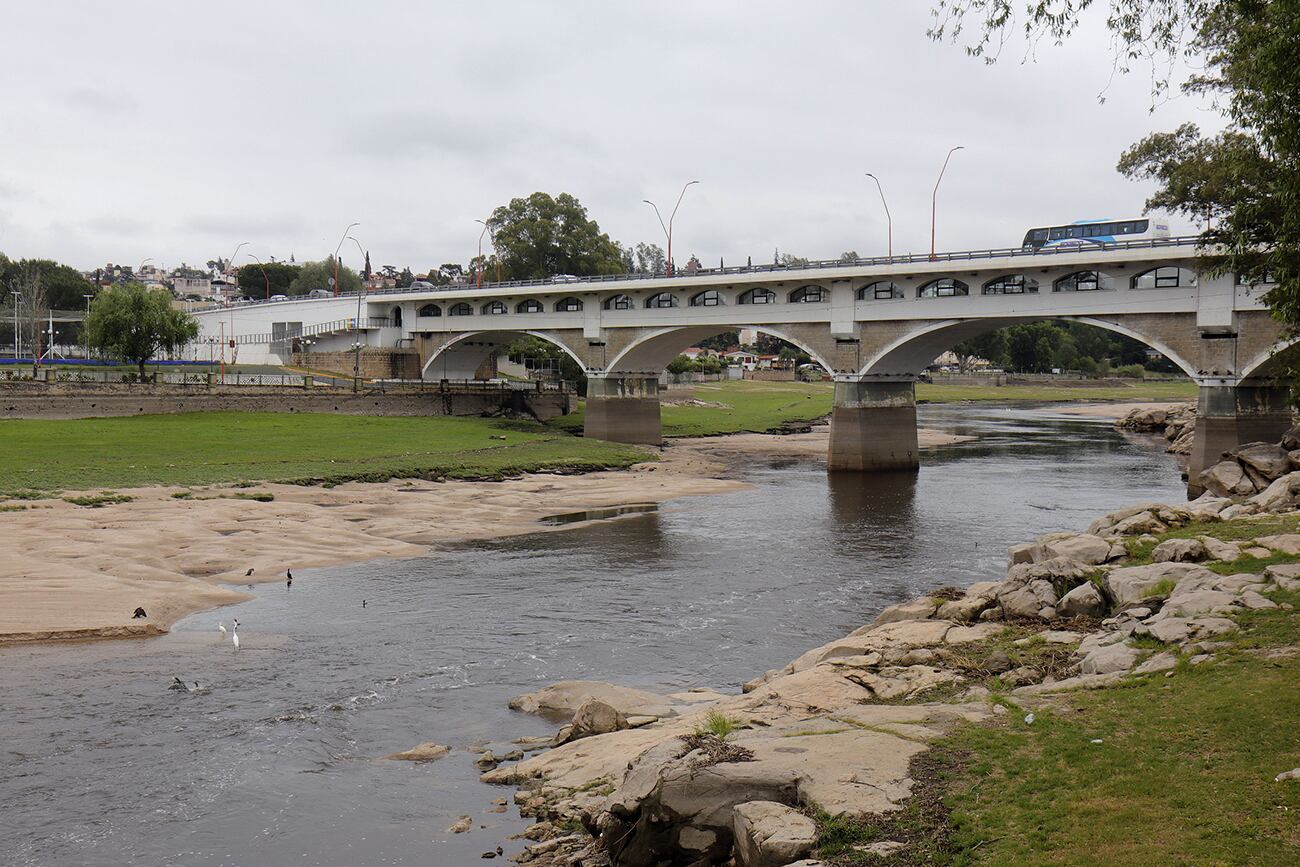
(875, 324)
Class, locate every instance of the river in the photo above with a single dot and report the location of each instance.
(275, 763)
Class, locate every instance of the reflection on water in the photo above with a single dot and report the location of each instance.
(599, 514)
(276, 764)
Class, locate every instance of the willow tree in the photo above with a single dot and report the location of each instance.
(134, 323)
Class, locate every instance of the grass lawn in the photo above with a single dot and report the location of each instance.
(1183, 773)
(760, 406)
(204, 448)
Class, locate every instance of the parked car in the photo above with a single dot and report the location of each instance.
(315, 293)
(278, 298)
(422, 286)
(564, 278)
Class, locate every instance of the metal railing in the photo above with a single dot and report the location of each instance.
(811, 265)
(336, 326)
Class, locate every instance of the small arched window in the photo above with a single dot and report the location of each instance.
(758, 295)
(1165, 277)
(618, 302)
(707, 298)
(943, 288)
(662, 299)
(808, 295)
(397, 317)
(429, 310)
(494, 308)
(529, 305)
(881, 290)
(1011, 284)
(1083, 281)
(568, 305)
(461, 309)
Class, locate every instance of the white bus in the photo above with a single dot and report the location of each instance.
(1096, 232)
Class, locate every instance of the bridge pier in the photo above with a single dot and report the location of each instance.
(1231, 415)
(623, 409)
(873, 426)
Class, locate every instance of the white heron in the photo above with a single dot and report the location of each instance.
(234, 637)
(221, 624)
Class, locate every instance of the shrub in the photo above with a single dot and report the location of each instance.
(1130, 371)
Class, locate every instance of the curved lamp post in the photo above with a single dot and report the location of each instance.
(889, 221)
(492, 236)
(934, 197)
(265, 277)
(668, 229)
(356, 363)
(336, 256)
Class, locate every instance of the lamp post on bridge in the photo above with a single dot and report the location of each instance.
(265, 277)
(356, 363)
(86, 334)
(336, 256)
(934, 197)
(229, 265)
(668, 229)
(492, 236)
(478, 278)
(889, 221)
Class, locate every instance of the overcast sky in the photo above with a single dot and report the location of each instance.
(175, 130)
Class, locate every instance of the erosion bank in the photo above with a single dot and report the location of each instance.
(782, 771)
(79, 572)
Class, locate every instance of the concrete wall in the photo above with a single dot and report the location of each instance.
(375, 363)
(64, 401)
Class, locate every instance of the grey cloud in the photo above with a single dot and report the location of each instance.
(226, 226)
(100, 101)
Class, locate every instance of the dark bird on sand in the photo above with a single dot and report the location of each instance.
(250, 571)
(139, 612)
(289, 572)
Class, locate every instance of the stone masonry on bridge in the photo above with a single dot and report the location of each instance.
(875, 325)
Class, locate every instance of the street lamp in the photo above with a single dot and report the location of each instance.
(84, 332)
(356, 363)
(888, 219)
(18, 297)
(240, 246)
(265, 277)
(493, 237)
(142, 261)
(336, 256)
(934, 197)
(668, 229)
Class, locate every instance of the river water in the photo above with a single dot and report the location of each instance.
(275, 763)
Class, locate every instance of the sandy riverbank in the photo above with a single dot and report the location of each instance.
(75, 573)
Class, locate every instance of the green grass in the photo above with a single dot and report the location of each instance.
(223, 447)
(757, 407)
(1238, 530)
(1183, 774)
(718, 724)
(1139, 391)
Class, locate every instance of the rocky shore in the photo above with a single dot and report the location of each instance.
(703, 778)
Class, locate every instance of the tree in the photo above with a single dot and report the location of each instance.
(990, 346)
(316, 275)
(1248, 175)
(253, 278)
(134, 323)
(541, 236)
(63, 286)
(650, 259)
(405, 279)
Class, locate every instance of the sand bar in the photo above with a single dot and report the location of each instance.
(1114, 410)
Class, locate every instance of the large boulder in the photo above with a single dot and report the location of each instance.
(1226, 479)
(916, 609)
(1268, 459)
(1083, 601)
(1109, 659)
(1283, 495)
(563, 698)
(769, 834)
(1085, 548)
(1133, 583)
(1180, 551)
(594, 717)
(425, 752)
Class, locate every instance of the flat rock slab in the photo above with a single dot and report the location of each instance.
(564, 697)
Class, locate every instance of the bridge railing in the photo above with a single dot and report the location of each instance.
(815, 264)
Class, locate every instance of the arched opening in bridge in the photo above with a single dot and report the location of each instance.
(396, 317)
(655, 352)
(475, 355)
(1082, 347)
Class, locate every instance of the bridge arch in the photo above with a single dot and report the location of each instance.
(651, 353)
(910, 354)
(459, 356)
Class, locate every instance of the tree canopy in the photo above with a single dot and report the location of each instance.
(134, 323)
(1248, 177)
(63, 287)
(254, 279)
(316, 275)
(540, 236)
